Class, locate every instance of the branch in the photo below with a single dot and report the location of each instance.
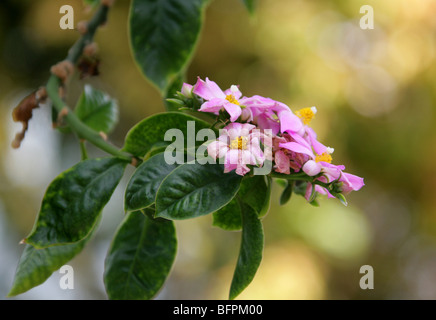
(55, 83)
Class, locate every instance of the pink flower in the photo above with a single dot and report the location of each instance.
(282, 162)
(294, 160)
(216, 99)
(264, 129)
(271, 114)
(239, 145)
(350, 182)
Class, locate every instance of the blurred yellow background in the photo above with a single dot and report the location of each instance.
(375, 95)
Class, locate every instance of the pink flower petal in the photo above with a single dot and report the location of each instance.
(214, 105)
(296, 147)
(217, 149)
(289, 122)
(208, 90)
(299, 139)
(232, 158)
(351, 182)
(265, 122)
(242, 170)
(233, 110)
(332, 171)
(312, 168)
(256, 151)
(187, 90)
(317, 146)
(282, 162)
(234, 91)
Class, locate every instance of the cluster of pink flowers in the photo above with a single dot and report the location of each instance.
(259, 129)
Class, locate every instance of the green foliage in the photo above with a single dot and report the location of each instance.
(36, 265)
(97, 110)
(150, 132)
(74, 200)
(250, 253)
(142, 188)
(163, 35)
(228, 217)
(287, 192)
(256, 192)
(171, 91)
(193, 190)
(140, 257)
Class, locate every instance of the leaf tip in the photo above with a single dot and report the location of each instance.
(11, 294)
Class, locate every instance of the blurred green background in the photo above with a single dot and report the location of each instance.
(375, 95)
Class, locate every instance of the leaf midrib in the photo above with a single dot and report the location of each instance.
(138, 249)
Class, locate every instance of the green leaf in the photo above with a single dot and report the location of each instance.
(193, 190)
(250, 5)
(97, 110)
(341, 198)
(140, 257)
(300, 188)
(250, 253)
(174, 87)
(74, 200)
(151, 131)
(163, 36)
(256, 192)
(287, 192)
(37, 265)
(142, 187)
(228, 217)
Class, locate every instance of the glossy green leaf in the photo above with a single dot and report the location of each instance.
(287, 192)
(193, 190)
(250, 5)
(97, 110)
(228, 217)
(256, 192)
(74, 200)
(140, 257)
(142, 187)
(163, 35)
(37, 265)
(151, 131)
(250, 253)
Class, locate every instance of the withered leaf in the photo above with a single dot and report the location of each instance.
(23, 113)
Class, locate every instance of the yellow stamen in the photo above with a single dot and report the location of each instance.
(325, 157)
(239, 143)
(306, 114)
(231, 98)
